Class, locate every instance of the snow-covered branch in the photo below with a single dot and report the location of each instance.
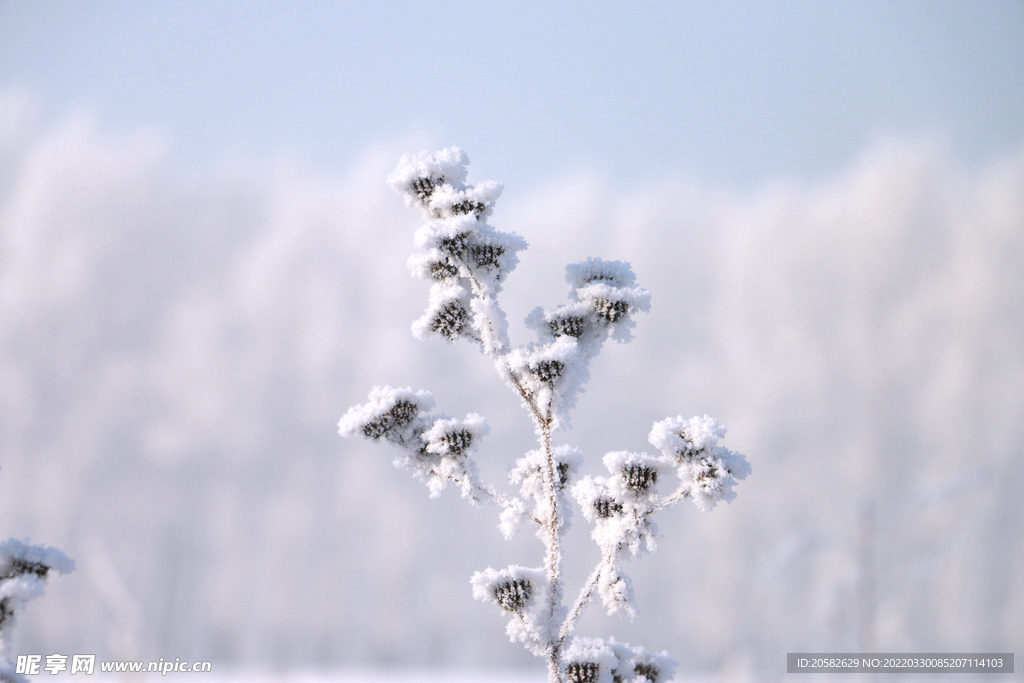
(467, 261)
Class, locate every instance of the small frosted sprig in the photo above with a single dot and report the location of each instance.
(593, 660)
(392, 414)
(708, 472)
(24, 569)
(635, 476)
(637, 665)
(437, 448)
(603, 301)
(620, 505)
(608, 288)
(589, 660)
(520, 592)
(464, 257)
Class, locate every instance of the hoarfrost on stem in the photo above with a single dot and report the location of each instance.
(467, 261)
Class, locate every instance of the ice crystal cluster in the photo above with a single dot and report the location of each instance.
(24, 569)
(467, 261)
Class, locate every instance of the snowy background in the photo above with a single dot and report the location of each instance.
(201, 269)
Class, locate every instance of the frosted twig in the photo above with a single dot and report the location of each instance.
(467, 261)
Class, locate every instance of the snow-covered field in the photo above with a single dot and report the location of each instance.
(348, 676)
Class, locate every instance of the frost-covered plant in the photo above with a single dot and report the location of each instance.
(467, 261)
(24, 569)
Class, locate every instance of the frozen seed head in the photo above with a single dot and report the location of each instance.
(709, 471)
(583, 672)
(419, 176)
(614, 273)
(487, 255)
(548, 370)
(513, 589)
(450, 320)
(457, 442)
(610, 311)
(454, 245)
(400, 415)
(468, 206)
(529, 471)
(24, 569)
(513, 595)
(442, 270)
(589, 660)
(648, 671)
(651, 667)
(424, 186)
(390, 413)
(569, 326)
(20, 558)
(607, 507)
(685, 439)
(6, 612)
(639, 478)
(449, 437)
(634, 474)
(563, 474)
(18, 566)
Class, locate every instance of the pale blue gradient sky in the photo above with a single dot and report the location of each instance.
(735, 93)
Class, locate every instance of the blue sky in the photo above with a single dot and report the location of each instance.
(734, 93)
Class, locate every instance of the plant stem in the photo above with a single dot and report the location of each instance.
(553, 559)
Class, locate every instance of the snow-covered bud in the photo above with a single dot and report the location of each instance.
(636, 665)
(528, 472)
(607, 289)
(685, 438)
(511, 518)
(612, 306)
(568, 326)
(19, 557)
(552, 373)
(476, 201)
(589, 660)
(513, 589)
(620, 516)
(648, 667)
(712, 477)
(447, 315)
(450, 236)
(596, 499)
(635, 475)
(390, 413)
(570, 320)
(24, 569)
(708, 471)
(613, 273)
(433, 265)
(606, 506)
(453, 437)
(623, 654)
(615, 589)
(419, 176)
(543, 364)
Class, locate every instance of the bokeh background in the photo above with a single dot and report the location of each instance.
(201, 269)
